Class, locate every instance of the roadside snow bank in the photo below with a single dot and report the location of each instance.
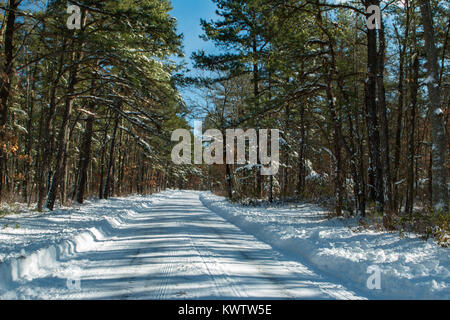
(34, 245)
(410, 268)
(43, 262)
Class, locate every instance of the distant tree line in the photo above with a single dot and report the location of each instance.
(363, 113)
(87, 112)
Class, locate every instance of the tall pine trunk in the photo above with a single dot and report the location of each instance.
(85, 156)
(414, 87)
(46, 138)
(30, 99)
(400, 102)
(258, 181)
(107, 187)
(385, 150)
(376, 190)
(61, 144)
(438, 139)
(63, 134)
(301, 176)
(6, 77)
(102, 164)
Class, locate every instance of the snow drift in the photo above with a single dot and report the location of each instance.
(410, 267)
(40, 242)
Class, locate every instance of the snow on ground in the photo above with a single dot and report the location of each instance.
(171, 246)
(410, 268)
(33, 244)
(166, 246)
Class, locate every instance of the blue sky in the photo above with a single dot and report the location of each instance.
(188, 14)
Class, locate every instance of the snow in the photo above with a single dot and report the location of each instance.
(36, 247)
(313, 175)
(165, 246)
(248, 167)
(429, 79)
(20, 128)
(194, 245)
(411, 268)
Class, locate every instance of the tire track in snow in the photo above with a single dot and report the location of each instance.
(177, 248)
(134, 265)
(252, 262)
(271, 275)
(168, 269)
(215, 272)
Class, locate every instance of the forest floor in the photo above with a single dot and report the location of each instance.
(194, 245)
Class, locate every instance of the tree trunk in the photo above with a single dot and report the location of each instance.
(85, 156)
(107, 188)
(376, 192)
(301, 176)
(62, 140)
(414, 87)
(337, 144)
(29, 137)
(228, 177)
(46, 137)
(102, 165)
(258, 189)
(65, 169)
(438, 140)
(354, 154)
(62, 145)
(7, 67)
(385, 150)
(6, 77)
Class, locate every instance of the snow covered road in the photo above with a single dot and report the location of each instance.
(172, 247)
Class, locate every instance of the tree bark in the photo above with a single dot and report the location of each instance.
(46, 138)
(337, 144)
(85, 156)
(256, 97)
(6, 77)
(102, 165)
(7, 67)
(62, 140)
(376, 192)
(228, 177)
(438, 139)
(399, 122)
(31, 85)
(301, 176)
(61, 144)
(107, 188)
(385, 150)
(414, 87)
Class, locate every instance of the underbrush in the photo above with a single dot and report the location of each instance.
(428, 224)
(423, 222)
(6, 209)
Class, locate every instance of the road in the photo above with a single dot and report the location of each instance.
(176, 248)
